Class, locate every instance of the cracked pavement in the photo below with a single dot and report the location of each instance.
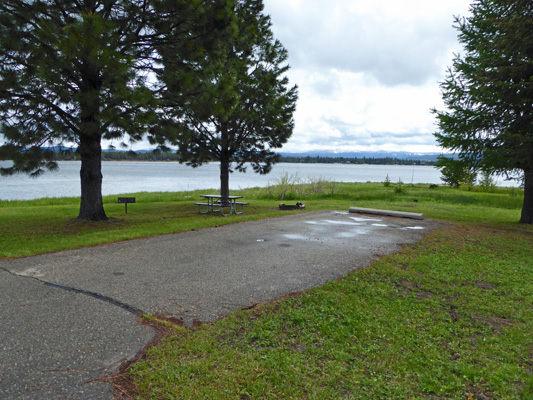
(71, 317)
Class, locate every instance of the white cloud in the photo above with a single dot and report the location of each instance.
(367, 71)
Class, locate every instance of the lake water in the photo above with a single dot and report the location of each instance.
(129, 177)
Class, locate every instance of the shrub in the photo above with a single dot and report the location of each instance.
(456, 172)
(400, 187)
(486, 182)
(291, 187)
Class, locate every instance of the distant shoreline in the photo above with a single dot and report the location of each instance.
(173, 157)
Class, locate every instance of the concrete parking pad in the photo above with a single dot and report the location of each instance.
(54, 342)
(57, 338)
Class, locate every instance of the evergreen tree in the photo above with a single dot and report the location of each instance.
(456, 172)
(488, 93)
(76, 72)
(240, 108)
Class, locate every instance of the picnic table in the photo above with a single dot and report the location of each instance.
(215, 203)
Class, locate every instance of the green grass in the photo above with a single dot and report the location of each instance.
(447, 318)
(47, 225)
(417, 324)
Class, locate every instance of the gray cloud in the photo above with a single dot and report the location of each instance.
(368, 72)
(372, 141)
(325, 85)
(352, 134)
(394, 52)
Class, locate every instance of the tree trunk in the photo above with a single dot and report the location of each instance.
(90, 148)
(224, 179)
(91, 206)
(527, 207)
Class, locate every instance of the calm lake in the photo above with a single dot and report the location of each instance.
(122, 177)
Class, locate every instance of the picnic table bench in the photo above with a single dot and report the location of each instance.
(215, 203)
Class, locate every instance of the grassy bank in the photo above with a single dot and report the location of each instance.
(46, 225)
(448, 318)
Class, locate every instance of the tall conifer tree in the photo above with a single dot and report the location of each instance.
(75, 72)
(241, 109)
(489, 93)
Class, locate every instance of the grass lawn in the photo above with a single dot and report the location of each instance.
(450, 317)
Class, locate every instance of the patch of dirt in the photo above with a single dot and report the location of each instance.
(275, 302)
(454, 315)
(497, 323)
(424, 295)
(485, 285)
(298, 347)
(478, 391)
(408, 287)
(529, 363)
(124, 387)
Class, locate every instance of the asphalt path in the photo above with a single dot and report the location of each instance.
(71, 317)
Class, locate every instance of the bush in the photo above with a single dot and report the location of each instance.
(487, 183)
(283, 185)
(400, 187)
(456, 172)
(292, 187)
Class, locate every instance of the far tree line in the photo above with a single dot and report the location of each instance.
(72, 155)
(355, 160)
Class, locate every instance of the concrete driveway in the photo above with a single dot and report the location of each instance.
(70, 317)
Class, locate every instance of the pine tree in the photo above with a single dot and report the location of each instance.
(488, 93)
(241, 109)
(75, 72)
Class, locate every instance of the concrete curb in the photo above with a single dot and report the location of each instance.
(400, 214)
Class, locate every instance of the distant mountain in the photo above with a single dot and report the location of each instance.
(402, 155)
(57, 149)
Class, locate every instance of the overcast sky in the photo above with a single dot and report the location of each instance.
(368, 72)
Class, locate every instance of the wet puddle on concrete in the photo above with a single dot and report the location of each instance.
(351, 227)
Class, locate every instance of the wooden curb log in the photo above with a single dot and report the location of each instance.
(388, 213)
